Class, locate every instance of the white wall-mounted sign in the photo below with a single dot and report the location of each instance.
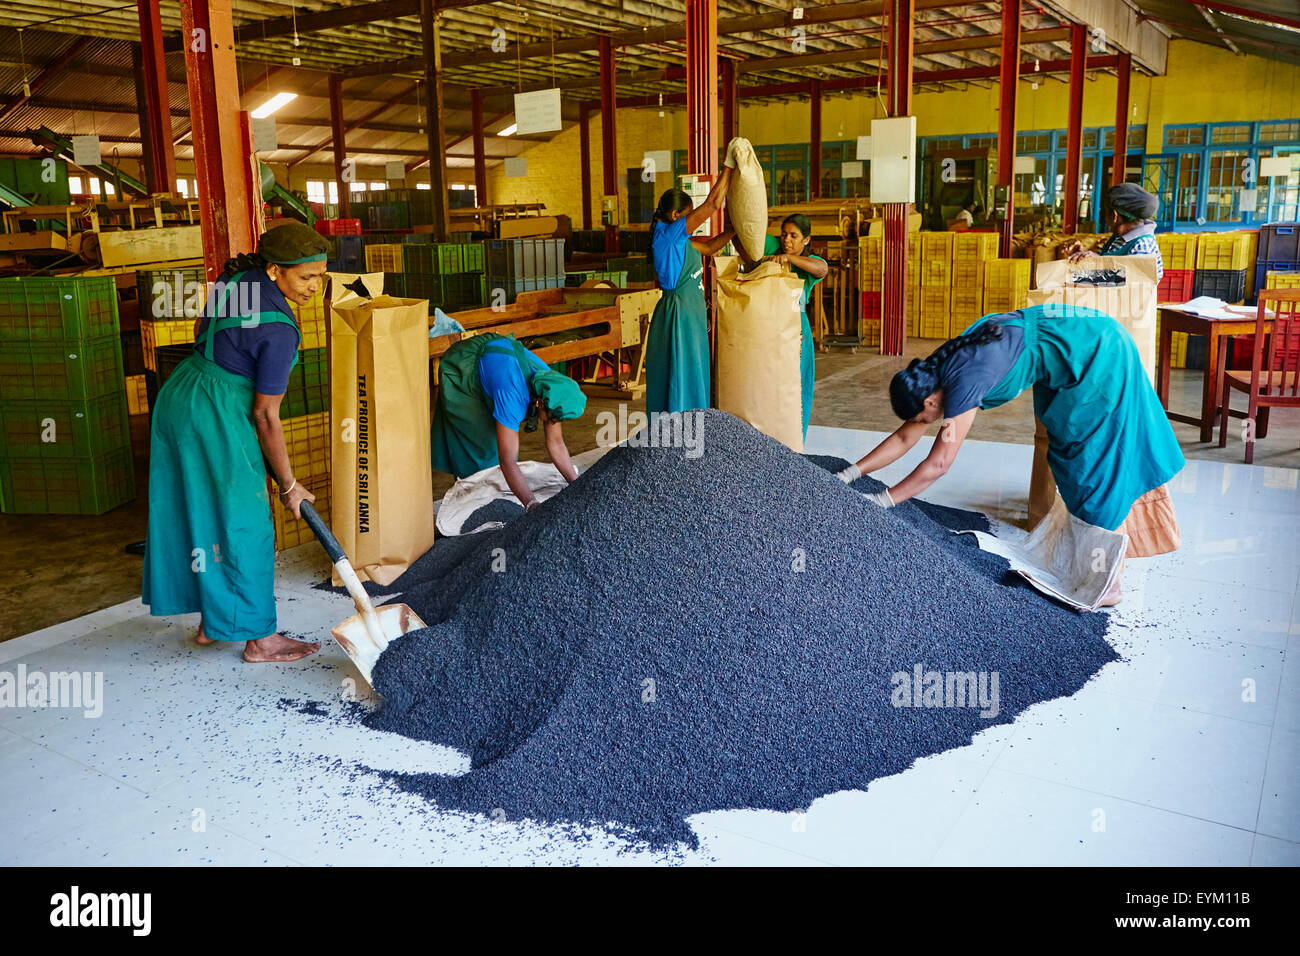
(1249, 199)
(851, 170)
(395, 170)
(864, 147)
(1275, 166)
(516, 166)
(85, 150)
(538, 112)
(264, 136)
(1024, 164)
(657, 162)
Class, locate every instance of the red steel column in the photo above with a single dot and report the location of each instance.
(339, 143)
(229, 200)
(893, 308)
(815, 138)
(1008, 82)
(730, 116)
(431, 34)
(584, 160)
(1121, 118)
(608, 134)
(702, 92)
(156, 112)
(480, 155)
(1074, 127)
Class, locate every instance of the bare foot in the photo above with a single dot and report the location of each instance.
(1113, 596)
(202, 636)
(277, 649)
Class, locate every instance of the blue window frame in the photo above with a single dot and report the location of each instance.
(1218, 167)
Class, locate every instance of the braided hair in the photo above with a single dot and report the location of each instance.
(244, 262)
(909, 389)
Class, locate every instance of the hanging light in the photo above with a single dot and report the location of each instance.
(273, 104)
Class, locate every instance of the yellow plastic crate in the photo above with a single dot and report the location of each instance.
(1177, 249)
(311, 319)
(914, 259)
(1005, 300)
(307, 439)
(967, 301)
(933, 327)
(870, 277)
(968, 274)
(871, 249)
(871, 332)
(1252, 252)
(156, 332)
(936, 245)
(384, 258)
(1006, 274)
(934, 302)
(974, 245)
(959, 322)
(1222, 250)
(935, 273)
(1282, 280)
(1177, 349)
(289, 531)
(137, 396)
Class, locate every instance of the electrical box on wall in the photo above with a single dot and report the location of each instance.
(1001, 201)
(893, 159)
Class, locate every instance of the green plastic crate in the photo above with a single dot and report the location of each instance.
(46, 308)
(51, 429)
(67, 486)
(68, 370)
(472, 253)
(171, 293)
(421, 285)
(450, 258)
(395, 284)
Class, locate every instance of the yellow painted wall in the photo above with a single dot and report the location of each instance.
(1203, 84)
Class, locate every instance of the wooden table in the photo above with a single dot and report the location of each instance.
(1214, 329)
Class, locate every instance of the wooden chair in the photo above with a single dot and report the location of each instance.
(1274, 376)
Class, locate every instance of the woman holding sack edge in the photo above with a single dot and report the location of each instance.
(1111, 449)
(216, 433)
(677, 345)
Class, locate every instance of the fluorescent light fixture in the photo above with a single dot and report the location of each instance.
(273, 104)
(509, 130)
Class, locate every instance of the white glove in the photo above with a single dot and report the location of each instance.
(881, 498)
(849, 475)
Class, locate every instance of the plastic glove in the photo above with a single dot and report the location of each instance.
(881, 498)
(849, 475)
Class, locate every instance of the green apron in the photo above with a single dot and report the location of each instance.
(807, 364)
(1109, 440)
(211, 545)
(677, 345)
(464, 433)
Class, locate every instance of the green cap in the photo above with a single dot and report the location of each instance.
(560, 395)
(292, 244)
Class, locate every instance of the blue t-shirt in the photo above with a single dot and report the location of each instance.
(503, 383)
(668, 250)
(263, 353)
(973, 372)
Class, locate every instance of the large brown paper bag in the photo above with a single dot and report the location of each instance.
(1130, 298)
(382, 491)
(759, 337)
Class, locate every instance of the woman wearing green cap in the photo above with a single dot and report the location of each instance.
(490, 387)
(216, 433)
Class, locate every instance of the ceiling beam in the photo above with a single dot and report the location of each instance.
(47, 74)
(1241, 11)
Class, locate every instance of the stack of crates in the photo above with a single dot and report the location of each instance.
(934, 271)
(349, 255)
(617, 279)
(338, 227)
(1222, 260)
(1279, 254)
(1177, 348)
(970, 250)
(307, 440)
(639, 268)
(525, 265)
(447, 274)
(65, 438)
(871, 276)
(170, 300)
(1178, 256)
(385, 258)
(1006, 285)
(137, 395)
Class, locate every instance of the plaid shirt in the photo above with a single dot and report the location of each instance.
(1144, 244)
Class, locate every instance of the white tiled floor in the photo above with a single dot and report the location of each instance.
(1185, 752)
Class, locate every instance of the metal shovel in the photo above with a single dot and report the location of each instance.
(366, 634)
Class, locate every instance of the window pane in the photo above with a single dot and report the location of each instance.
(1239, 133)
(1185, 136)
(74, 185)
(1189, 183)
(333, 187)
(1284, 192)
(1224, 181)
(1090, 139)
(1282, 131)
(379, 185)
(315, 190)
(791, 186)
(1137, 136)
(790, 154)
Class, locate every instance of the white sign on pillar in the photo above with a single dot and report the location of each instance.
(85, 150)
(516, 166)
(851, 169)
(395, 170)
(538, 112)
(864, 148)
(265, 138)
